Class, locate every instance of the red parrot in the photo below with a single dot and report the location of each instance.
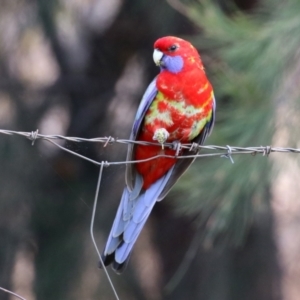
(178, 106)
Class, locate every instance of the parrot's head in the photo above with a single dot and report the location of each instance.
(174, 54)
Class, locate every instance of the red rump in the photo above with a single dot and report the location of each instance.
(154, 169)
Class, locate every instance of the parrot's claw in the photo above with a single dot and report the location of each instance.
(161, 135)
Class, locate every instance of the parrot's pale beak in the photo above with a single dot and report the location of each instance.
(157, 57)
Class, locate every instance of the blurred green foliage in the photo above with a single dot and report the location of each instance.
(248, 57)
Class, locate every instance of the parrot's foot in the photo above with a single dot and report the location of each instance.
(161, 135)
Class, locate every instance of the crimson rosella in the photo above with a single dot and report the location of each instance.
(177, 107)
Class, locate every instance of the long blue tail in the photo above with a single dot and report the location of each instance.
(133, 212)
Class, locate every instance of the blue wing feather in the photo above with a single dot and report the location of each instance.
(146, 101)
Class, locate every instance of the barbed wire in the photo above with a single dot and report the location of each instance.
(223, 151)
(214, 150)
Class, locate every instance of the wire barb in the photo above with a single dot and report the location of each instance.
(33, 136)
(110, 140)
(176, 145)
(267, 150)
(228, 154)
(194, 147)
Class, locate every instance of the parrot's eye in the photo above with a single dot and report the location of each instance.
(172, 48)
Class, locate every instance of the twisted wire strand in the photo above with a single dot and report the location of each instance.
(12, 293)
(220, 151)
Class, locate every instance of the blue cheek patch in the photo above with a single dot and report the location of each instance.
(173, 64)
